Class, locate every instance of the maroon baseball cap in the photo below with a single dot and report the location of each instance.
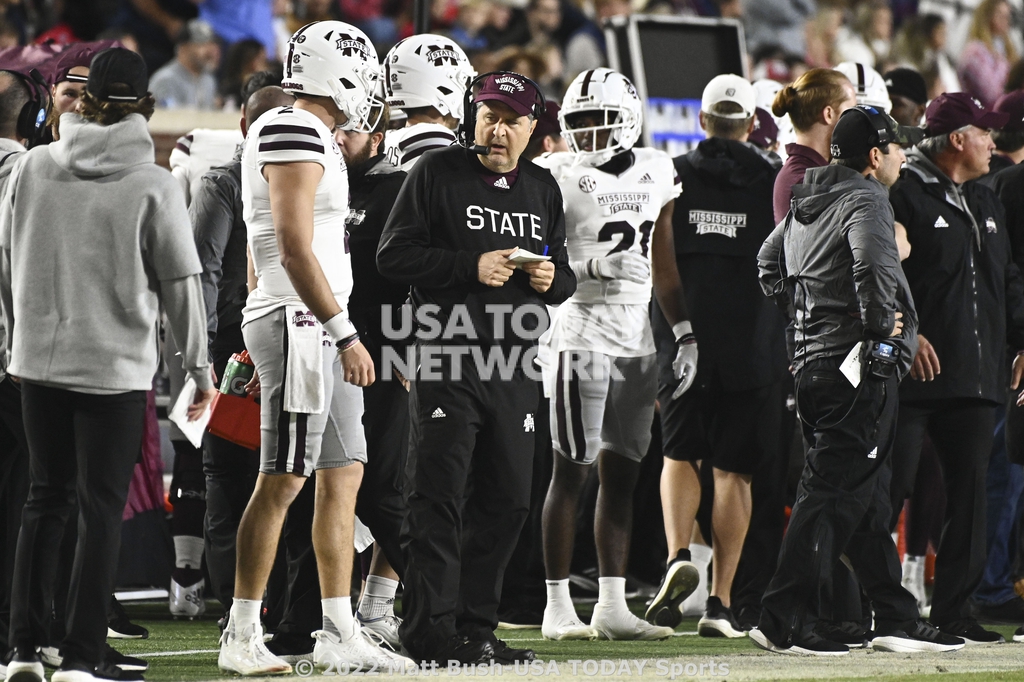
(547, 124)
(766, 132)
(509, 88)
(953, 110)
(74, 55)
(1012, 104)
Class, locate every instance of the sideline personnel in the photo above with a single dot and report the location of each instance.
(834, 269)
(459, 216)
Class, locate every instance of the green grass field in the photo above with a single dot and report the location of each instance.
(186, 651)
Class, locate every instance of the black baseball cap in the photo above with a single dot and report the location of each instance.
(862, 128)
(906, 83)
(118, 66)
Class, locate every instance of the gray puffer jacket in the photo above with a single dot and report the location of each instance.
(833, 267)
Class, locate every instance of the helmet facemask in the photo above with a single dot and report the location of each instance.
(597, 140)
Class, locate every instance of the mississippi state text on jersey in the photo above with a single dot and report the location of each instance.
(405, 145)
(288, 135)
(606, 214)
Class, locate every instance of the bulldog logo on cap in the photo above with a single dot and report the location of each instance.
(834, 150)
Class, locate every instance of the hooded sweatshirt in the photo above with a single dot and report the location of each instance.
(834, 269)
(94, 236)
(10, 150)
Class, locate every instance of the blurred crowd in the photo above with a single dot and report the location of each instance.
(200, 52)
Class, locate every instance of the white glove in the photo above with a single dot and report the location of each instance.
(684, 367)
(627, 265)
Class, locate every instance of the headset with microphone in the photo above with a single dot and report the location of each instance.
(32, 118)
(466, 132)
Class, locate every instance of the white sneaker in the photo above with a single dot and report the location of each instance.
(385, 628)
(51, 656)
(624, 625)
(24, 671)
(559, 625)
(248, 655)
(73, 675)
(186, 601)
(358, 653)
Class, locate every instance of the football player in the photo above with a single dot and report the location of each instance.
(618, 211)
(425, 76)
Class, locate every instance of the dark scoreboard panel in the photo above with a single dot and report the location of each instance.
(671, 59)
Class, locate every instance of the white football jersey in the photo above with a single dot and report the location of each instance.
(288, 135)
(605, 214)
(198, 152)
(403, 147)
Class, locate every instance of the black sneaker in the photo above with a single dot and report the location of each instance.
(73, 670)
(521, 618)
(1008, 613)
(812, 645)
(972, 633)
(115, 657)
(718, 621)
(25, 666)
(917, 635)
(506, 655)
(120, 627)
(748, 616)
(681, 579)
(847, 632)
(458, 648)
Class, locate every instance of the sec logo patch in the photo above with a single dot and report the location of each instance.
(587, 184)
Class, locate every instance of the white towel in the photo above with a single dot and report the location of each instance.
(362, 538)
(304, 366)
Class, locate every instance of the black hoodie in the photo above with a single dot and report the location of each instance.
(841, 247)
(720, 221)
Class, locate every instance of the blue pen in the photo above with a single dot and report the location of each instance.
(545, 249)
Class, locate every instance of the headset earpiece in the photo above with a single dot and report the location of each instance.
(32, 118)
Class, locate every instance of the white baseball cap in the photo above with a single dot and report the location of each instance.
(729, 88)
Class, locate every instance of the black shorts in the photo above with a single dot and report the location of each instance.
(731, 430)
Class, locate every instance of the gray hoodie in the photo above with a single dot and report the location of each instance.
(10, 150)
(835, 269)
(94, 236)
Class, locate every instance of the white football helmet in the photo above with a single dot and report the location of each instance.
(609, 94)
(427, 70)
(869, 84)
(334, 59)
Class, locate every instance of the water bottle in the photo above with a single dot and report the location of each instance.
(237, 374)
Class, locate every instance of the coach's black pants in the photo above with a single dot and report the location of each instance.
(962, 431)
(842, 504)
(89, 444)
(467, 487)
(13, 493)
(230, 479)
(379, 504)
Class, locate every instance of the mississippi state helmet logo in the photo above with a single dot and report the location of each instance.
(351, 47)
(439, 54)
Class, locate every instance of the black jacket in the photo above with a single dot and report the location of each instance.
(967, 289)
(447, 215)
(373, 189)
(1008, 183)
(834, 268)
(740, 333)
(216, 213)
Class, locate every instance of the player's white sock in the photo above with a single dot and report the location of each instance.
(378, 598)
(694, 605)
(558, 596)
(188, 552)
(611, 595)
(338, 616)
(244, 616)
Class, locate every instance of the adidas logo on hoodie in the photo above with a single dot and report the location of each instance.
(941, 222)
(501, 183)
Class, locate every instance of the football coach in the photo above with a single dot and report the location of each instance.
(833, 266)
(461, 212)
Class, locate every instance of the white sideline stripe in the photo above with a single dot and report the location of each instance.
(177, 653)
(142, 595)
(541, 639)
